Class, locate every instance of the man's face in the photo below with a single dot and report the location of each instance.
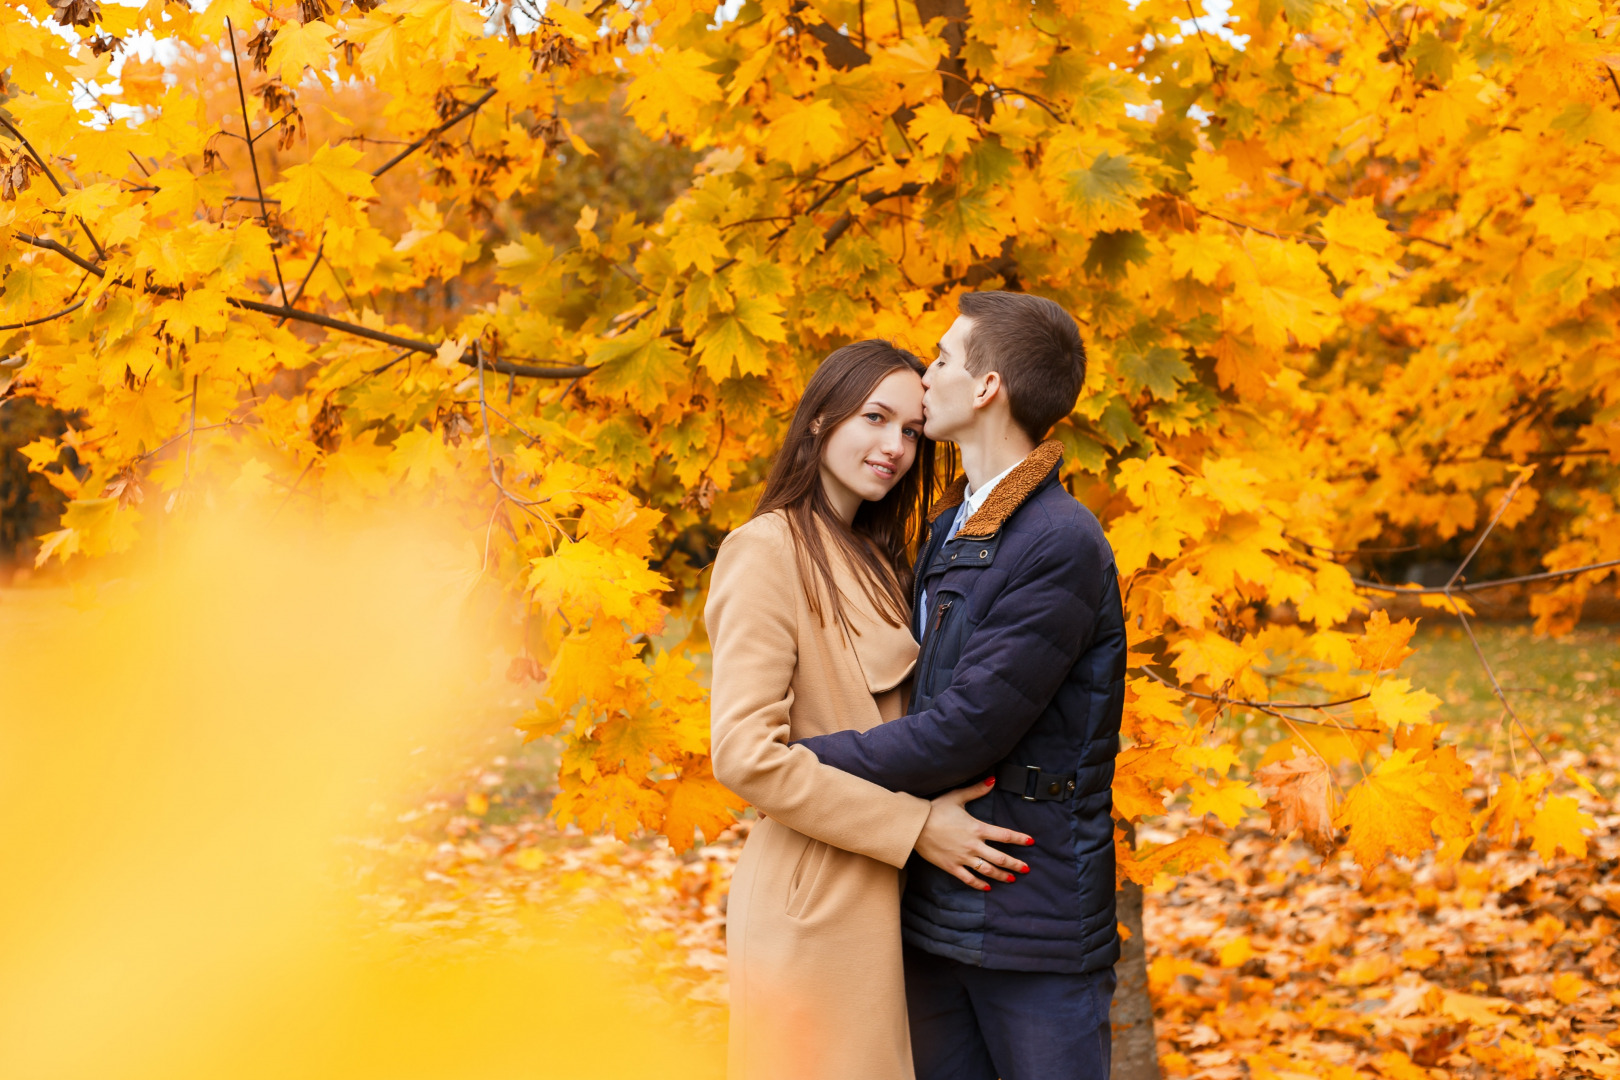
(949, 388)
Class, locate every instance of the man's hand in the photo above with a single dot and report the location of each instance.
(959, 843)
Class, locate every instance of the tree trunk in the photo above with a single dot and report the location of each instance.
(1135, 1053)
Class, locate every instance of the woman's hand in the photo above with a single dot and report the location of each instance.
(959, 843)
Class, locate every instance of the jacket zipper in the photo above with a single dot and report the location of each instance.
(934, 627)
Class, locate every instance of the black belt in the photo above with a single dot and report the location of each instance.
(1034, 784)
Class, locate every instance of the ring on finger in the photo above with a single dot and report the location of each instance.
(981, 866)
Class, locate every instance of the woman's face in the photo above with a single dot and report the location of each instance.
(867, 454)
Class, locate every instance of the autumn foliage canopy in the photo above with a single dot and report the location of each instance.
(1347, 275)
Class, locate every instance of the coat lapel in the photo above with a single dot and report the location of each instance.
(887, 654)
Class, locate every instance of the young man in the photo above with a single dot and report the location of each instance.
(1021, 677)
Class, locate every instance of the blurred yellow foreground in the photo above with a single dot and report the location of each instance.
(179, 752)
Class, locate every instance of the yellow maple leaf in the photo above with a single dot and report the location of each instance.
(1281, 291)
(323, 190)
(609, 801)
(1384, 813)
(669, 89)
(1201, 255)
(446, 23)
(738, 338)
(1229, 800)
(421, 456)
(297, 47)
(938, 130)
(805, 135)
(1153, 711)
(1358, 241)
(1394, 702)
(1513, 805)
(571, 22)
(698, 246)
(1557, 827)
(1211, 176)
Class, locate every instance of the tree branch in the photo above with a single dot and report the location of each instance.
(1467, 586)
(504, 367)
(70, 309)
(66, 252)
(410, 149)
(40, 161)
(419, 143)
(1268, 707)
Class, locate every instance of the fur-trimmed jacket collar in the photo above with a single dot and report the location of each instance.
(1008, 495)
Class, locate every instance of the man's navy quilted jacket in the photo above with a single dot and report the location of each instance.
(1022, 664)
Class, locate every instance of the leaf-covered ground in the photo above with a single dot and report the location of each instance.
(1278, 965)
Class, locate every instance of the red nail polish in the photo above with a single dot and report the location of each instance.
(990, 782)
(1029, 842)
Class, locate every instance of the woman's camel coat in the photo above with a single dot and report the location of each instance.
(813, 923)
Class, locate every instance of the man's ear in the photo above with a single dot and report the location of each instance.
(988, 390)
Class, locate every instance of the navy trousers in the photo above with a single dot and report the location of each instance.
(973, 1023)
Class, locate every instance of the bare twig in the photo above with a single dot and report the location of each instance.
(253, 157)
(292, 490)
(1471, 586)
(489, 448)
(1269, 707)
(1501, 509)
(1496, 686)
(191, 429)
(299, 295)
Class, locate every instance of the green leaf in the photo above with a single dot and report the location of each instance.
(1118, 425)
(1431, 57)
(1111, 252)
(829, 311)
(1158, 368)
(1080, 450)
(1109, 185)
(988, 163)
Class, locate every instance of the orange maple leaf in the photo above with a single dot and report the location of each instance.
(1383, 644)
(1300, 796)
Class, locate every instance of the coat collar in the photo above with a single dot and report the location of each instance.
(1008, 495)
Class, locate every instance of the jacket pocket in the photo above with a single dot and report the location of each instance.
(807, 874)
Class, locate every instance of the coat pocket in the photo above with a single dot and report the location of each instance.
(808, 872)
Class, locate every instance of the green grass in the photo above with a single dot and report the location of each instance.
(1566, 690)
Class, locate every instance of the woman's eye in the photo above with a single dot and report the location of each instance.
(875, 417)
(912, 433)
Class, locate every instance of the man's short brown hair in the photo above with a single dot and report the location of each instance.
(1035, 346)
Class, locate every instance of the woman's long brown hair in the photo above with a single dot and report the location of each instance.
(878, 543)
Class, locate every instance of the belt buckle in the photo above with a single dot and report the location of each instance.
(1032, 783)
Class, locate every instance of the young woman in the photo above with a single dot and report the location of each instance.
(808, 616)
